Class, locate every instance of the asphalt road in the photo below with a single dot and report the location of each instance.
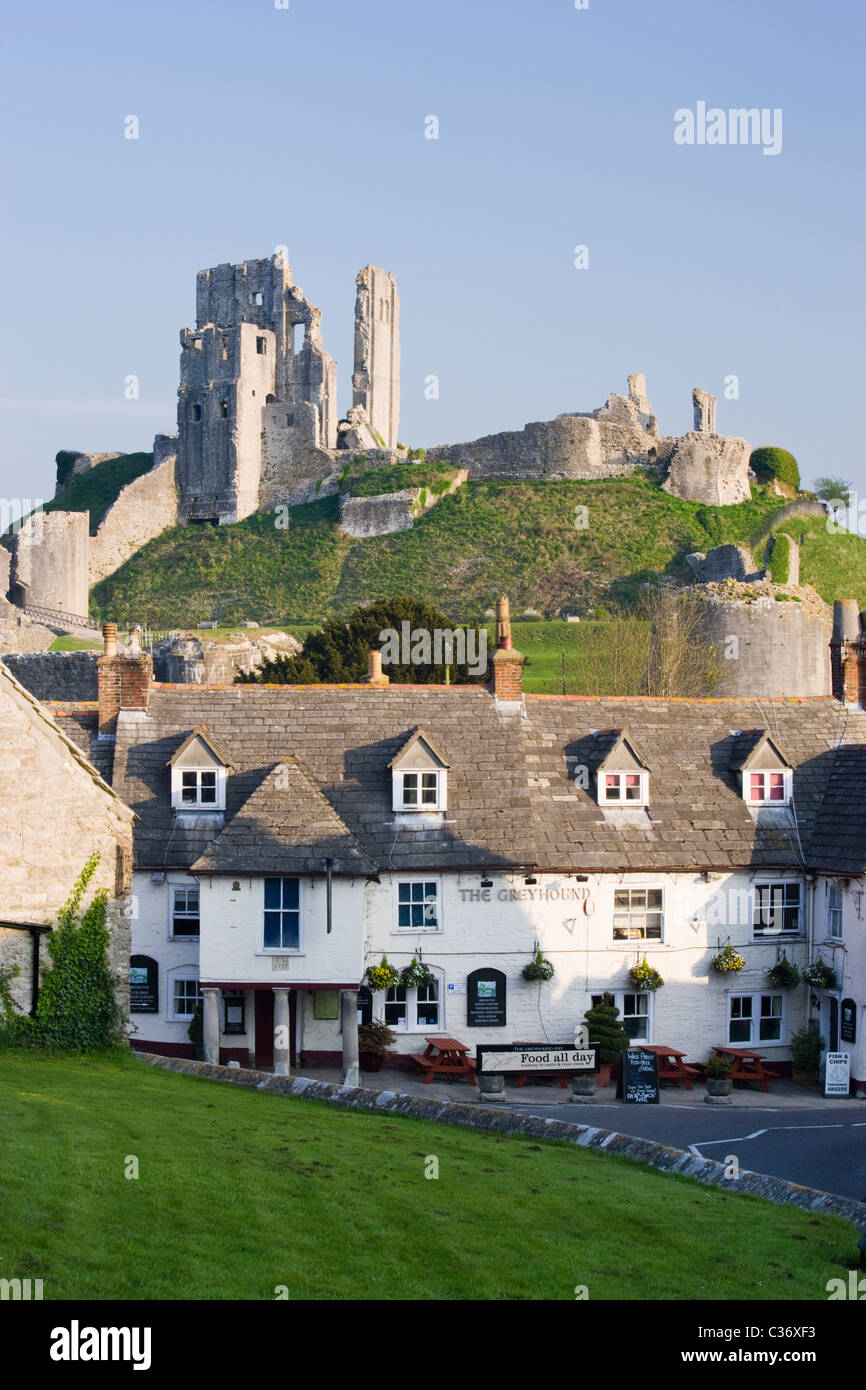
(818, 1149)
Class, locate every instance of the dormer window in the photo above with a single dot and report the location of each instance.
(624, 788)
(419, 775)
(622, 777)
(199, 770)
(765, 773)
(768, 788)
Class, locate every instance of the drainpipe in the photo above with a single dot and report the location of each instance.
(812, 881)
(35, 930)
(328, 887)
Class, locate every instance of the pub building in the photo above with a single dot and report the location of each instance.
(287, 838)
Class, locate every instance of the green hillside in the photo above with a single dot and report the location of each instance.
(488, 538)
(97, 489)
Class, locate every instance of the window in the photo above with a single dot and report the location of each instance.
(624, 788)
(756, 1018)
(298, 333)
(257, 297)
(767, 788)
(224, 410)
(198, 788)
(634, 1014)
(194, 411)
(185, 996)
(290, 420)
(261, 347)
(777, 909)
(282, 914)
(417, 906)
(834, 910)
(637, 914)
(411, 1010)
(185, 912)
(420, 790)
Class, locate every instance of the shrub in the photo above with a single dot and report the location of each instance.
(195, 1031)
(605, 1030)
(375, 1037)
(769, 462)
(806, 1047)
(780, 558)
(717, 1067)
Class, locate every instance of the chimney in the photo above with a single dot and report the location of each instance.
(506, 662)
(374, 674)
(124, 682)
(848, 653)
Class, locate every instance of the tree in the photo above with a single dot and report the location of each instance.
(605, 1030)
(770, 462)
(681, 662)
(338, 652)
(830, 489)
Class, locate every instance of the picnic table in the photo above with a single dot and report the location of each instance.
(445, 1057)
(560, 1076)
(671, 1064)
(747, 1064)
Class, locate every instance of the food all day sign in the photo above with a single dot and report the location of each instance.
(547, 1057)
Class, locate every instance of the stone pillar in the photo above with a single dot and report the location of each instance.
(705, 411)
(349, 1018)
(211, 1024)
(282, 1032)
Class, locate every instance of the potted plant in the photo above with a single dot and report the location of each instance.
(538, 968)
(645, 977)
(717, 1075)
(383, 975)
(374, 1040)
(807, 1045)
(728, 960)
(195, 1031)
(820, 975)
(416, 975)
(607, 1034)
(784, 974)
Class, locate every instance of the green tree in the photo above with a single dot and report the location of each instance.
(830, 489)
(338, 652)
(605, 1030)
(768, 463)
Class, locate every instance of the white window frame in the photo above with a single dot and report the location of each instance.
(177, 801)
(180, 972)
(769, 934)
(605, 798)
(380, 999)
(755, 1040)
(619, 998)
(282, 950)
(440, 801)
(418, 879)
(767, 773)
(182, 888)
(638, 911)
(835, 911)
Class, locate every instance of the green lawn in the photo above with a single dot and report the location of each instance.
(75, 644)
(240, 1192)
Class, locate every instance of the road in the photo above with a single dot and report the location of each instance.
(819, 1149)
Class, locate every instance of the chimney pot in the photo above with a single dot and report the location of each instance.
(109, 637)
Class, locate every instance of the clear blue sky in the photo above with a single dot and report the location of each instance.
(305, 126)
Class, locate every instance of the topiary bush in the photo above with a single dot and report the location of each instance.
(605, 1030)
(768, 463)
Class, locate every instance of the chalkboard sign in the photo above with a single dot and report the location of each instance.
(849, 1021)
(365, 1006)
(485, 999)
(143, 985)
(640, 1077)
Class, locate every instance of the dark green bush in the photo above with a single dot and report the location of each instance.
(605, 1030)
(769, 462)
(780, 558)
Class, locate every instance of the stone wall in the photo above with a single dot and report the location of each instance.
(144, 509)
(50, 560)
(769, 644)
(376, 378)
(18, 633)
(390, 511)
(709, 468)
(723, 562)
(54, 814)
(56, 675)
(187, 660)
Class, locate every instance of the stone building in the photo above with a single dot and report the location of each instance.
(56, 810)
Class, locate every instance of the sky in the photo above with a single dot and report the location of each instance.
(707, 264)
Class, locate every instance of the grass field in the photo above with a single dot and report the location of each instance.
(238, 1193)
(75, 644)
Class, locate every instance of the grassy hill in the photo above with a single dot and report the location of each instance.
(97, 489)
(488, 538)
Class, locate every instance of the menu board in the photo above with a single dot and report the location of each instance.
(640, 1077)
(143, 985)
(485, 999)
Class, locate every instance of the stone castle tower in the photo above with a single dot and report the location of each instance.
(257, 401)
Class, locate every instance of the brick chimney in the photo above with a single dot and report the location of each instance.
(375, 675)
(506, 662)
(848, 653)
(124, 681)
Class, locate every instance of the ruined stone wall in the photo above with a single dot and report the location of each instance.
(18, 633)
(50, 561)
(709, 468)
(376, 377)
(779, 649)
(144, 509)
(55, 675)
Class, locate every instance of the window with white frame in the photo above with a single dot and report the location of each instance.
(282, 914)
(768, 788)
(638, 914)
(624, 788)
(418, 905)
(185, 920)
(834, 910)
(777, 909)
(185, 996)
(756, 1018)
(634, 1012)
(419, 791)
(410, 1009)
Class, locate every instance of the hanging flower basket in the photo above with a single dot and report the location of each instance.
(784, 974)
(645, 977)
(727, 960)
(820, 975)
(416, 975)
(538, 968)
(383, 975)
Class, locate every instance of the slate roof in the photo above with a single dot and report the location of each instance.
(839, 840)
(512, 797)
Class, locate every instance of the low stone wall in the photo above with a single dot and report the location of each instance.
(805, 507)
(363, 517)
(56, 675)
(475, 1116)
(18, 633)
(144, 509)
